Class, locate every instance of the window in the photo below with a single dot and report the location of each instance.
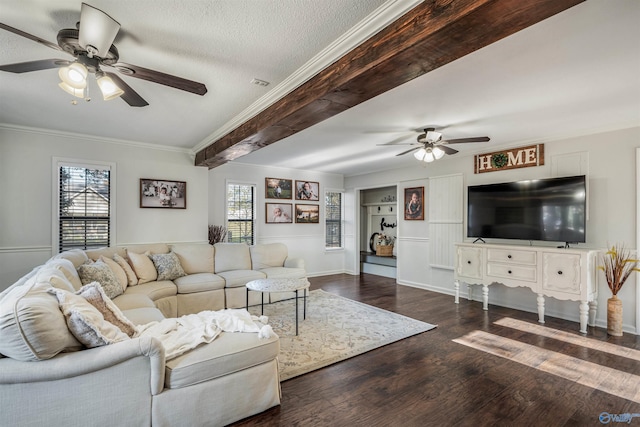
(84, 206)
(241, 213)
(333, 219)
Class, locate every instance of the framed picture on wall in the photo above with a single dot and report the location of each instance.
(162, 193)
(307, 214)
(414, 203)
(307, 190)
(278, 213)
(278, 188)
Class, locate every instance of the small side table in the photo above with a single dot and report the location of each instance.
(280, 285)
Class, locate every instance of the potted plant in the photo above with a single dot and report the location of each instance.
(617, 265)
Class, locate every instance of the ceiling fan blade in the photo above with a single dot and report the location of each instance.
(462, 140)
(25, 67)
(97, 29)
(30, 36)
(408, 151)
(129, 96)
(447, 150)
(161, 78)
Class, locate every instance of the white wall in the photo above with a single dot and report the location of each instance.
(610, 161)
(26, 211)
(303, 240)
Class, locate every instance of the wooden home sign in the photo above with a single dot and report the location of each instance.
(514, 158)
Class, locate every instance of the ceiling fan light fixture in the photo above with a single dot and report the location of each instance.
(77, 92)
(419, 155)
(433, 136)
(75, 75)
(437, 152)
(429, 156)
(97, 30)
(108, 88)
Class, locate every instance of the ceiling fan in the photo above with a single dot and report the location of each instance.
(91, 45)
(430, 146)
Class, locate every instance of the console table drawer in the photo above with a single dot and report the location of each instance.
(514, 272)
(511, 256)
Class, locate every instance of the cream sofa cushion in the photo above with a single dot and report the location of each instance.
(199, 282)
(55, 277)
(143, 267)
(32, 326)
(108, 252)
(152, 248)
(85, 321)
(232, 256)
(195, 258)
(268, 255)
(68, 269)
(76, 256)
(238, 278)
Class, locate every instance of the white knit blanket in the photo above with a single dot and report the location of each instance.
(179, 335)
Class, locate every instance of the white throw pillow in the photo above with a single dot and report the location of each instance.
(85, 321)
(132, 279)
(68, 269)
(100, 272)
(96, 296)
(143, 267)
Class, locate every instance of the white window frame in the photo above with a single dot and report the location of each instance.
(255, 205)
(59, 162)
(324, 203)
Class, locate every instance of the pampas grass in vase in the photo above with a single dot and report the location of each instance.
(617, 265)
(217, 233)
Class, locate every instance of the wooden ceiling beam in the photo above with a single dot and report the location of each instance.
(429, 36)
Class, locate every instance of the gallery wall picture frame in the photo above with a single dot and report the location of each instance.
(163, 194)
(307, 190)
(278, 213)
(278, 188)
(307, 214)
(414, 203)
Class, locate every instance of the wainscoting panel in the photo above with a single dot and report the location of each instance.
(16, 262)
(445, 219)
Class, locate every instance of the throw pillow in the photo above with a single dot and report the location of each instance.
(143, 267)
(96, 296)
(100, 272)
(85, 321)
(117, 271)
(168, 266)
(132, 279)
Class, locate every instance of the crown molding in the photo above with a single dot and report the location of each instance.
(86, 137)
(379, 19)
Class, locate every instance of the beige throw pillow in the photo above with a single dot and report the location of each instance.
(168, 266)
(117, 271)
(100, 272)
(85, 321)
(96, 296)
(132, 279)
(143, 267)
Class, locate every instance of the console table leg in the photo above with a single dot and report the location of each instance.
(456, 286)
(593, 309)
(485, 297)
(470, 289)
(584, 316)
(540, 308)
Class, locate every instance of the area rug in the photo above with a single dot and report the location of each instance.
(335, 329)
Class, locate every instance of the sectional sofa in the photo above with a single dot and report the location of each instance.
(48, 377)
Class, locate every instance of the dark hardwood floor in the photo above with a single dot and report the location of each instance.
(431, 380)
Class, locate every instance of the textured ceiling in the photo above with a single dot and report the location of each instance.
(575, 73)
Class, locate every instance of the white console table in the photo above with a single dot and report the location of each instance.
(564, 274)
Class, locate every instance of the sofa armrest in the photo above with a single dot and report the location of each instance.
(294, 262)
(84, 362)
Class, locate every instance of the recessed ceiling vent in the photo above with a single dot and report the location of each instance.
(259, 82)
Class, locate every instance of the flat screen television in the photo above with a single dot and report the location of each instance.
(551, 209)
